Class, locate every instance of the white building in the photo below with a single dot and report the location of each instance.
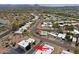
(53, 34)
(66, 52)
(44, 33)
(61, 35)
(36, 17)
(46, 24)
(76, 31)
(24, 43)
(20, 31)
(25, 27)
(74, 39)
(49, 51)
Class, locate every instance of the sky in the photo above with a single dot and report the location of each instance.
(50, 5)
(39, 2)
(59, 4)
(43, 2)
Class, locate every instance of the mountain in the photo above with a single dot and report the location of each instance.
(39, 5)
(19, 5)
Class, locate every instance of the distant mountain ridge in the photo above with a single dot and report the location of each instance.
(34, 5)
(19, 5)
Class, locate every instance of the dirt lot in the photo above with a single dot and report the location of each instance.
(57, 49)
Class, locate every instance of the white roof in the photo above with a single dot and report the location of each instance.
(49, 51)
(23, 27)
(48, 46)
(52, 34)
(61, 35)
(50, 25)
(18, 32)
(44, 22)
(47, 22)
(76, 31)
(74, 39)
(24, 43)
(30, 40)
(46, 25)
(42, 25)
(26, 25)
(36, 17)
(66, 52)
(61, 25)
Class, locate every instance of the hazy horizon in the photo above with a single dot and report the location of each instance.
(59, 5)
(48, 5)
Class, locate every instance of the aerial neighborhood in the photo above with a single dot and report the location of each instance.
(51, 30)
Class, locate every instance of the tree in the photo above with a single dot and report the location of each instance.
(56, 25)
(13, 44)
(28, 47)
(68, 38)
(15, 25)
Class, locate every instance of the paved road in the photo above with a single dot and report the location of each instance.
(35, 35)
(46, 40)
(5, 33)
(10, 30)
(50, 41)
(59, 44)
(33, 49)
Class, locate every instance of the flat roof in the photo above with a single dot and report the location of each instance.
(74, 39)
(43, 32)
(61, 35)
(52, 34)
(25, 43)
(18, 32)
(76, 31)
(23, 27)
(49, 51)
(66, 52)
